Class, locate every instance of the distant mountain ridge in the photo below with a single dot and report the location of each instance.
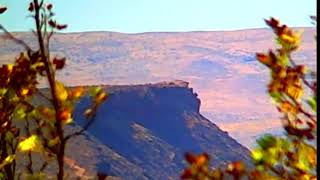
(220, 66)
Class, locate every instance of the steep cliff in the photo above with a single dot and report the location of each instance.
(148, 128)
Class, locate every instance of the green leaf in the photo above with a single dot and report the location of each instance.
(36, 176)
(53, 142)
(19, 113)
(93, 91)
(284, 144)
(313, 103)
(3, 91)
(1, 176)
(267, 141)
(9, 136)
(284, 60)
(276, 96)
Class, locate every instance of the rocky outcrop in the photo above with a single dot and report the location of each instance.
(149, 128)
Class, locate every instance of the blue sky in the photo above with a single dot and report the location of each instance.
(132, 16)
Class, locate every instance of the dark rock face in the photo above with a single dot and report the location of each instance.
(152, 126)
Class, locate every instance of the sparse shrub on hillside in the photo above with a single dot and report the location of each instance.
(32, 128)
(292, 88)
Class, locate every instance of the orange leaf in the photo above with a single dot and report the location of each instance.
(190, 158)
(263, 58)
(77, 92)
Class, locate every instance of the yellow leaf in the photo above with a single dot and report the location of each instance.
(24, 91)
(3, 91)
(257, 155)
(9, 159)
(53, 142)
(295, 92)
(10, 67)
(287, 38)
(33, 143)
(62, 93)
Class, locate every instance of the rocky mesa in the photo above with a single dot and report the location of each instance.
(143, 131)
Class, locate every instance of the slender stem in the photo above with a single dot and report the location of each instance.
(51, 79)
(310, 116)
(303, 77)
(84, 128)
(18, 41)
(44, 96)
(3, 143)
(29, 165)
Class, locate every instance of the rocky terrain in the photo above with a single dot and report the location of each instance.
(143, 131)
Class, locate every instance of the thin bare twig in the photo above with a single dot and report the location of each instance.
(310, 116)
(44, 165)
(44, 96)
(29, 165)
(302, 77)
(18, 41)
(84, 128)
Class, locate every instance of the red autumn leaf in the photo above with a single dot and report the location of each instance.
(31, 7)
(187, 173)
(64, 114)
(101, 176)
(52, 23)
(273, 23)
(272, 56)
(299, 132)
(4, 70)
(263, 58)
(49, 7)
(2, 9)
(59, 63)
(281, 30)
(61, 26)
(311, 125)
(300, 69)
(190, 158)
